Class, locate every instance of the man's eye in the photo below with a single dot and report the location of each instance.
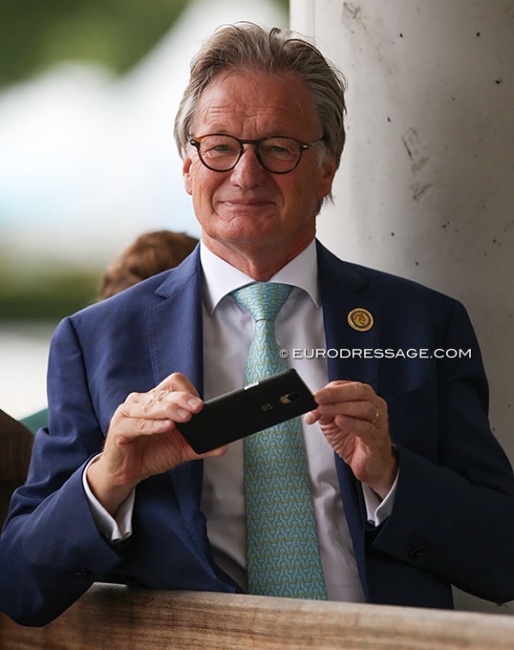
(221, 148)
(278, 150)
(272, 148)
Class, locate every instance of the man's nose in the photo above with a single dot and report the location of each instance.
(248, 171)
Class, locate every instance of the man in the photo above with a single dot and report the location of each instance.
(115, 491)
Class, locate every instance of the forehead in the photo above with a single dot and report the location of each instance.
(256, 104)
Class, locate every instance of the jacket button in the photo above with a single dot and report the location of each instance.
(84, 573)
(416, 552)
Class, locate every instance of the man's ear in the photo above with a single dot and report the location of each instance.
(326, 176)
(186, 173)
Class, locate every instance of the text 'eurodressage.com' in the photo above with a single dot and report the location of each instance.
(375, 353)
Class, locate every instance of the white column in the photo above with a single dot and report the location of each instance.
(426, 185)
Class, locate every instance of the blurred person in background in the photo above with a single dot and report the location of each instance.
(151, 253)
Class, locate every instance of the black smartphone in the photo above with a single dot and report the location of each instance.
(245, 411)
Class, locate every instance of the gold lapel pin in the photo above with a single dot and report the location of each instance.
(360, 319)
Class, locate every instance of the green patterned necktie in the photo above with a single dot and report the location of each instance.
(282, 551)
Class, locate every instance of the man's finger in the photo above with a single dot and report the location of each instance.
(176, 382)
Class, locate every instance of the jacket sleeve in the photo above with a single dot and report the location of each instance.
(50, 548)
(454, 508)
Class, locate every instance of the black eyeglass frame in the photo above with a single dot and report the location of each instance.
(303, 146)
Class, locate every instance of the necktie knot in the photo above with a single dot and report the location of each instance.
(263, 299)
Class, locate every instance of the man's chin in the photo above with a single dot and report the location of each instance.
(246, 226)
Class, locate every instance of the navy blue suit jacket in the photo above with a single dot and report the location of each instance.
(453, 517)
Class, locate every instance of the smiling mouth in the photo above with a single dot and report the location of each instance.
(246, 203)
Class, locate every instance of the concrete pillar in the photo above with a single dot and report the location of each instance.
(426, 185)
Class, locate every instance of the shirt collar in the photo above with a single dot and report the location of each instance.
(220, 277)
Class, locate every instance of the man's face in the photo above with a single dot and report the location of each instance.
(248, 208)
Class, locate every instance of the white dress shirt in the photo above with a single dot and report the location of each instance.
(227, 332)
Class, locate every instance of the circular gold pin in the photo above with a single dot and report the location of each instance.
(360, 319)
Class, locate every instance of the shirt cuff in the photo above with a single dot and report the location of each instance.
(117, 529)
(377, 509)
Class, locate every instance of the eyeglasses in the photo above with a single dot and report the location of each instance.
(278, 155)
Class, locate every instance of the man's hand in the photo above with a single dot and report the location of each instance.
(354, 420)
(143, 440)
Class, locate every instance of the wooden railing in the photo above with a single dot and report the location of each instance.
(121, 618)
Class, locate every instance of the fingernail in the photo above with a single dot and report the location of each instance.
(182, 413)
(194, 402)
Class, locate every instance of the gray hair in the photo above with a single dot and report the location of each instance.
(248, 46)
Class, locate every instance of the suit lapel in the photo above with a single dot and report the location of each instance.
(174, 326)
(342, 293)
